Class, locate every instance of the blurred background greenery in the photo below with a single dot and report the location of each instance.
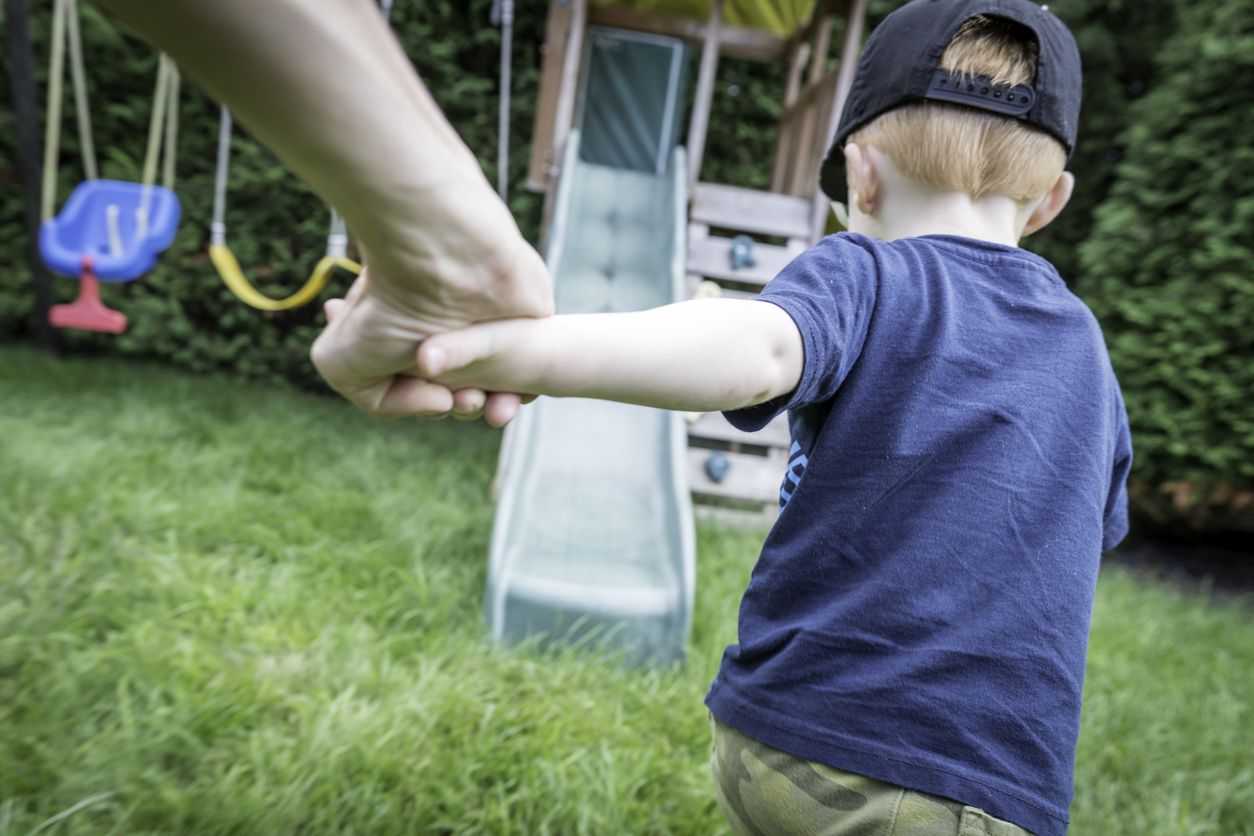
(1159, 239)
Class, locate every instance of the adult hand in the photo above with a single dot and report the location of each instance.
(367, 351)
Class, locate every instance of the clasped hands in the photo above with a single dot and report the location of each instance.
(368, 350)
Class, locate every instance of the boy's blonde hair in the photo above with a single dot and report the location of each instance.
(963, 149)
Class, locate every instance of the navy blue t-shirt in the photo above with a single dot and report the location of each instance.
(920, 611)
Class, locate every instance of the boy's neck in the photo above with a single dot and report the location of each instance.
(906, 208)
(955, 214)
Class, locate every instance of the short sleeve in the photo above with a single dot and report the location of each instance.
(1115, 522)
(829, 291)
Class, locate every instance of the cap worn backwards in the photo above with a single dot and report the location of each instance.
(901, 64)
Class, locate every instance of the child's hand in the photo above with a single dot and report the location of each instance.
(503, 356)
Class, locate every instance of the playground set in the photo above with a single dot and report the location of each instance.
(593, 536)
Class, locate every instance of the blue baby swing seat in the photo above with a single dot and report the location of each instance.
(102, 221)
(108, 230)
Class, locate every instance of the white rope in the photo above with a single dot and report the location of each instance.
(337, 238)
(66, 34)
(81, 108)
(217, 229)
(114, 229)
(156, 121)
(52, 131)
(502, 126)
(171, 124)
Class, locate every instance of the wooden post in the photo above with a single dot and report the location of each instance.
(796, 60)
(564, 110)
(855, 18)
(29, 166)
(818, 62)
(705, 93)
(565, 116)
(555, 106)
(556, 27)
(785, 136)
(849, 52)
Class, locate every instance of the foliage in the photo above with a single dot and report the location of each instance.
(1168, 267)
(181, 312)
(1119, 42)
(229, 608)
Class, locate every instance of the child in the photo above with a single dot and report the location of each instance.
(912, 640)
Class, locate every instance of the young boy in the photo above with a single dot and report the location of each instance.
(912, 640)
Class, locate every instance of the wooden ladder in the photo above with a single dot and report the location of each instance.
(727, 466)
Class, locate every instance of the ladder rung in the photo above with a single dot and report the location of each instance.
(747, 210)
(711, 258)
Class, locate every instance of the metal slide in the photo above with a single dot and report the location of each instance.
(593, 538)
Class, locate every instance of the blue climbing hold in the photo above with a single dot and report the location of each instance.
(717, 465)
(742, 253)
(101, 222)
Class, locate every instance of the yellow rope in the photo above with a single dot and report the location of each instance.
(228, 268)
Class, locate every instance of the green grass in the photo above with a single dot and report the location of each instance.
(229, 609)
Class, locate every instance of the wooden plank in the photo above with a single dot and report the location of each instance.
(573, 55)
(705, 94)
(823, 8)
(749, 479)
(810, 97)
(801, 153)
(855, 20)
(796, 60)
(747, 210)
(546, 103)
(732, 293)
(809, 141)
(713, 426)
(734, 41)
(849, 53)
(784, 133)
(810, 157)
(818, 61)
(711, 258)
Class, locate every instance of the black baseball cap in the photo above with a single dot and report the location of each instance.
(900, 64)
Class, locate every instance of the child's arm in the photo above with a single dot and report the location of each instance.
(703, 355)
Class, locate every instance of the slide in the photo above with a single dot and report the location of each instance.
(593, 538)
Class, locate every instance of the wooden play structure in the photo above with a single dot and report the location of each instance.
(726, 466)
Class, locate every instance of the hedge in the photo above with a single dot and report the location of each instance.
(1170, 268)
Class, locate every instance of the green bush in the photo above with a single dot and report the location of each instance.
(1168, 269)
(1119, 41)
(181, 312)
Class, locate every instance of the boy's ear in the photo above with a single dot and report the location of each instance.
(864, 178)
(1051, 204)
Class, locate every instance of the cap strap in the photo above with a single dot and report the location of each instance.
(978, 91)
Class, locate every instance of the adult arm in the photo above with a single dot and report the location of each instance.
(326, 85)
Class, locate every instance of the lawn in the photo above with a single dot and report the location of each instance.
(227, 608)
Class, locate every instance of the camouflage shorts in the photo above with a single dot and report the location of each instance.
(764, 792)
